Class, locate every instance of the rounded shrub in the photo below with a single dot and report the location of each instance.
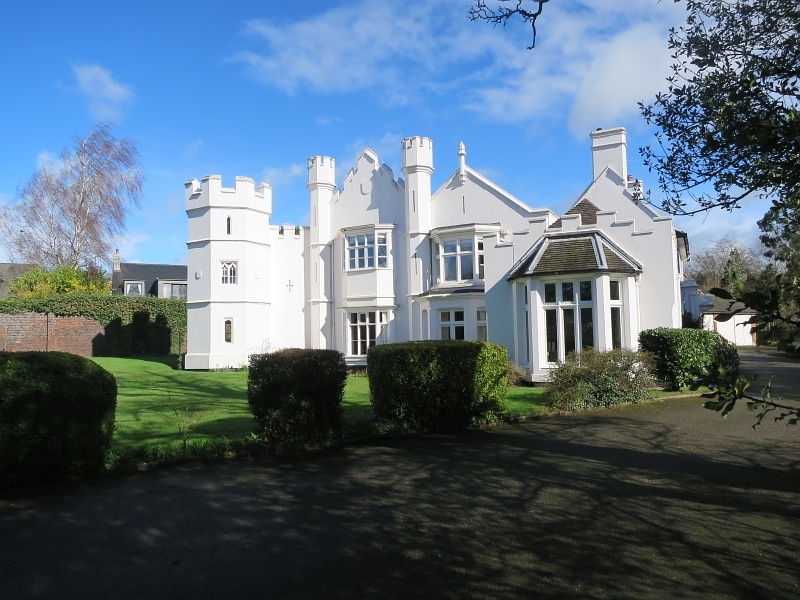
(437, 385)
(56, 415)
(296, 396)
(594, 379)
(687, 356)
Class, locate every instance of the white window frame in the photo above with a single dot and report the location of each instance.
(365, 330)
(450, 250)
(617, 304)
(129, 284)
(482, 324)
(367, 249)
(452, 324)
(229, 272)
(556, 309)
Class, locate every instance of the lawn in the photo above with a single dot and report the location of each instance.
(154, 400)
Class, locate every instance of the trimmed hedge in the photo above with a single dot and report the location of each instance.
(296, 396)
(56, 415)
(686, 356)
(593, 379)
(437, 385)
(135, 326)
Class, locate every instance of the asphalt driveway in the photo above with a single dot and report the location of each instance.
(666, 500)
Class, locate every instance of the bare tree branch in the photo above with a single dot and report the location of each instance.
(501, 14)
(67, 215)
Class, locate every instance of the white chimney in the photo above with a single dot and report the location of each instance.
(610, 149)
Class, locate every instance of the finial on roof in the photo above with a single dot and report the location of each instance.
(462, 153)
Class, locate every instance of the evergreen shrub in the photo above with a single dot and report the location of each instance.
(684, 357)
(594, 379)
(296, 396)
(437, 385)
(56, 415)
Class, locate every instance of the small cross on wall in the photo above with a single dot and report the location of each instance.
(289, 285)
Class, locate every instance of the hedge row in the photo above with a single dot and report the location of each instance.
(686, 356)
(56, 415)
(134, 325)
(437, 385)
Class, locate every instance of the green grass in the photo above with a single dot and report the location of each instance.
(156, 403)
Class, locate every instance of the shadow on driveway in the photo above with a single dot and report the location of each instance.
(666, 500)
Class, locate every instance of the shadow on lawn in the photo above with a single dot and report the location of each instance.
(670, 503)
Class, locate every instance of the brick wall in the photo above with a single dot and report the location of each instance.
(46, 332)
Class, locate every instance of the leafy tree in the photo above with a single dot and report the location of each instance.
(40, 283)
(66, 215)
(730, 119)
(505, 10)
(723, 263)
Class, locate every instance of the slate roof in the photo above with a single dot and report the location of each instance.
(588, 252)
(151, 274)
(585, 209)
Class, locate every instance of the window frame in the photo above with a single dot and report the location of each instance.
(229, 272)
(454, 326)
(566, 303)
(127, 285)
(454, 258)
(363, 333)
(367, 254)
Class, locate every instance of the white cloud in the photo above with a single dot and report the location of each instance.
(105, 96)
(629, 69)
(49, 160)
(593, 61)
(282, 177)
(130, 244)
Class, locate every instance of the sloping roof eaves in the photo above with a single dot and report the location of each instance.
(574, 253)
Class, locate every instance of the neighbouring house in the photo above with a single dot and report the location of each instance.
(706, 308)
(143, 279)
(386, 259)
(8, 273)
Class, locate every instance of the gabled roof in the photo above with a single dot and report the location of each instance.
(577, 252)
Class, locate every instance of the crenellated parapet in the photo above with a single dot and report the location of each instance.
(417, 154)
(210, 193)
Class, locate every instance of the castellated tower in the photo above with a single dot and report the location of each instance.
(228, 296)
(321, 187)
(417, 169)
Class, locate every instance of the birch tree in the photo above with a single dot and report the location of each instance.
(67, 214)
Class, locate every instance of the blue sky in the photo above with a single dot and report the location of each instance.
(254, 88)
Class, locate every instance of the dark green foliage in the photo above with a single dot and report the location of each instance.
(593, 379)
(56, 415)
(296, 396)
(688, 356)
(435, 386)
(135, 326)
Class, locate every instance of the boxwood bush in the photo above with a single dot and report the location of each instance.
(687, 356)
(296, 396)
(437, 385)
(594, 379)
(56, 415)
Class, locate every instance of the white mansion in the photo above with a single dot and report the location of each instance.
(385, 259)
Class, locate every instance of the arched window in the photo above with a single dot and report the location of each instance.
(228, 226)
(228, 331)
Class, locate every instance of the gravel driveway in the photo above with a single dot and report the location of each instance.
(666, 500)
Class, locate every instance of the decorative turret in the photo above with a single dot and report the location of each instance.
(417, 168)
